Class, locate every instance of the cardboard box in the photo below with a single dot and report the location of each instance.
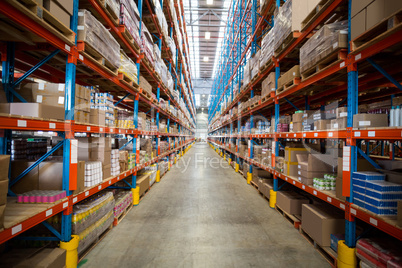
(29, 182)
(4, 167)
(291, 153)
(319, 222)
(311, 174)
(339, 123)
(84, 148)
(399, 215)
(97, 117)
(300, 10)
(298, 127)
(341, 112)
(313, 164)
(390, 164)
(80, 177)
(291, 169)
(106, 170)
(261, 173)
(67, 5)
(268, 85)
(359, 5)
(294, 72)
(3, 192)
(58, 11)
(39, 258)
(370, 120)
(38, 110)
(297, 117)
(291, 202)
(322, 124)
(2, 210)
(375, 13)
(143, 183)
(358, 24)
(306, 181)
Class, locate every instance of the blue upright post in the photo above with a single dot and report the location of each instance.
(277, 107)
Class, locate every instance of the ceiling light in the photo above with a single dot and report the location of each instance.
(203, 95)
(206, 59)
(210, 2)
(207, 35)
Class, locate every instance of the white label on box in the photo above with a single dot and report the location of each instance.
(330, 134)
(357, 134)
(73, 151)
(335, 45)
(329, 199)
(22, 123)
(342, 64)
(16, 229)
(80, 27)
(294, 135)
(336, 126)
(39, 99)
(101, 129)
(342, 206)
(303, 187)
(41, 86)
(61, 87)
(67, 47)
(315, 134)
(373, 221)
(65, 205)
(52, 125)
(75, 199)
(315, 192)
(99, 187)
(61, 100)
(294, 74)
(304, 134)
(343, 114)
(353, 211)
(299, 172)
(86, 193)
(88, 128)
(364, 123)
(371, 133)
(294, 182)
(49, 212)
(110, 182)
(358, 57)
(80, 57)
(80, 14)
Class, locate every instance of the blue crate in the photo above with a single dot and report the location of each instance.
(383, 186)
(381, 211)
(358, 195)
(359, 189)
(380, 203)
(359, 202)
(368, 176)
(358, 182)
(335, 239)
(383, 195)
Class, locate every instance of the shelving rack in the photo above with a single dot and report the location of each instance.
(80, 69)
(339, 82)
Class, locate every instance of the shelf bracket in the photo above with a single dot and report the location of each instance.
(117, 103)
(125, 145)
(286, 99)
(51, 228)
(371, 161)
(384, 73)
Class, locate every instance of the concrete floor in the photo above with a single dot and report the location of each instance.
(204, 216)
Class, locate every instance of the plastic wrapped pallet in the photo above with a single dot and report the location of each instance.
(283, 24)
(113, 6)
(130, 17)
(379, 252)
(147, 43)
(329, 38)
(128, 67)
(93, 33)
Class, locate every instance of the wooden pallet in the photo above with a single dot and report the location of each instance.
(294, 82)
(286, 42)
(129, 37)
(118, 219)
(291, 218)
(105, 7)
(383, 29)
(266, 98)
(89, 52)
(266, 66)
(44, 18)
(325, 63)
(254, 184)
(328, 253)
(94, 244)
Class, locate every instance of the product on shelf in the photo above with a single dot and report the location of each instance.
(328, 182)
(289, 77)
(124, 119)
(123, 160)
(291, 162)
(130, 17)
(310, 166)
(370, 120)
(123, 200)
(104, 102)
(41, 196)
(115, 166)
(379, 252)
(147, 43)
(94, 34)
(128, 67)
(291, 202)
(93, 173)
(145, 85)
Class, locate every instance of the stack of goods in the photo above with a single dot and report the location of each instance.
(370, 120)
(310, 166)
(123, 160)
(130, 17)
(142, 121)
(329, 39)
(82, 104)
(4, 166)
(379, 252)
(395, 116)
(41, 196)
(145, 85)
(104, 102)
(291, 163)
(246, 74)
(283, 127)
(93, 173)
(163, 167)
(288, 78)
(128, 67)
(151, 170)
(308, 121)
(123, 200)
(94, 34)
(372, 192)
(163, 146)
(131, 160)
(101, 151)
(268, 85)
(172, 47)
(124, 119)
(327, 183)
(322, 120)
(147, 44)
(115, 166)
(267, 48)
(266, 157)
(27, 149)
(255, 64)
(246, 169)
(297, 121)
(341, 118)
(92, 217)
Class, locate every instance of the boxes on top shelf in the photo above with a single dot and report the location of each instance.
(62, 10)
(130, 17)
(370, 120)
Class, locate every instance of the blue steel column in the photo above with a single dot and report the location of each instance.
(69, 103)
(277, 107)
(350, 223)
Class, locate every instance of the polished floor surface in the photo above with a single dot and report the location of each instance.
(203, 214)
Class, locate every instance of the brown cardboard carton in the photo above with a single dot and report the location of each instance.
(322, 124)
(268, 84)
(143, 182)
(358, 24)
(297, 118)
(37, 110)
(43, 258)
(338, 189)
(390, 164)
(306, 181)
(319, 222)
(291, 153)
(313, 164)
(375, 13)
(4, 167)
(290, 202)
(359, 5)
(29, 182)
(5, 108)
(97, 117)
(56, 10)
(80, 177)
(294, 72)
(311, 174)
(67, 5)
(83, 149)
(341, 112)
(3, 192)
(261, 173)
(106, 170)
(2, 210)
(392, 6)
(300, 10)
(298, 127)
(370, 120)
(291, 169)
(339, 123)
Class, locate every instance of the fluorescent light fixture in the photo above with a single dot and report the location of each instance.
(210, 2)
(203, 95)
(206, 59)
(207, 35)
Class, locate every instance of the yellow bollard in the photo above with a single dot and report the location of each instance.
(175, 159)
(168, 165)
(71, 251)
(158, 176)
(136, 195)
(272, 198)
(237, 167)
(249, 177)
(346, 255)
(229, 161)
(224, 157)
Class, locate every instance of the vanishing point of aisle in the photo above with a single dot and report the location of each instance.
(203, 214)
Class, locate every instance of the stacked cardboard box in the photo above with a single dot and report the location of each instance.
(61, 9)
(370, 120)
(310, 167)
(82, 104)
(297, 121)
(123, 160)
(115, 165)
(255, 64)
(147, 43)
(341, 120)
(291, 162)
(104, 102)
(130, 17)
(4, 167)
(101, 151)
(268, 85)
(259, 173)
(289, 76)
(145, 85)
(128, 67)
(291, 202)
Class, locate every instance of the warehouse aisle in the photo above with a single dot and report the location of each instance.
(204, 216)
